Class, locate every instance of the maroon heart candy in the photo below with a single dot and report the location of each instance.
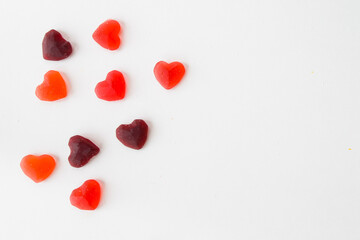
(55, 47)
(133, 135)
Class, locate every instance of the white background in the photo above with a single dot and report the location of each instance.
(254, 143)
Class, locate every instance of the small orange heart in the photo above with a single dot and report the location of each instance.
(38, 168)
(52, 88)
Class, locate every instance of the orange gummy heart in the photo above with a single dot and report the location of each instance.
(38, 168)
(107, 35)
(169, 74)
(52, 88)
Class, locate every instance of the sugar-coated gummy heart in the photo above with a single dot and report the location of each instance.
(169, 74)
(133, 135)
(52, 88)
(38, 168)
(87, 196)
(107, 35)
(112, 88)
(55, 47)
(81, 151)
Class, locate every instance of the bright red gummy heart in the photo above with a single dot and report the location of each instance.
(81, 151)
(107, 35)
(52, 88)
(55, 47)
(87, 196)
(112, 88)
(133, 135)
(38, 168)
(169, 75)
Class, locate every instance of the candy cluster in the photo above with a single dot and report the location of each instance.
(113, 88)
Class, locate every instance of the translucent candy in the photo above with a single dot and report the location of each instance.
(112, 88)
(87, 196)
(38, 168)
(52, 88)
(107, 35)
(169, 74)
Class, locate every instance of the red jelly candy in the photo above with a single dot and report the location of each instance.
(133, 135)
(87, 196)
(55, 47)
(169, 75)
(81, 151)
(112, 88)
(107, 35)
(38, 168)
(53, 87)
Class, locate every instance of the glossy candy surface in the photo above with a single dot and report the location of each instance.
(133, 135)
(107, 35)
(52, 88)
(169, 74)
(87, 196)
(112, 88)
(81, 151)
(38, 168)
(55, 47)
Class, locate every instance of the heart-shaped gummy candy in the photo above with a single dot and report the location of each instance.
(55, 47)
(133, 135)
(52, 88)
(112, 88)
(38, 168)
(81, 151)
(107, 35)
(87, 196)
(169, 74)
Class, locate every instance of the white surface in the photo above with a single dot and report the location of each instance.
(252, 144)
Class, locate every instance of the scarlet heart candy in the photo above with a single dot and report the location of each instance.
(38, 168)
(87, 196)
(107, 35)
(169, 75)
(55, 47)
(81, 151)
(133, 135)
(53, 87)
(112, 88)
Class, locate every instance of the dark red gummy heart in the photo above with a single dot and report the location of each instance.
(112, 88)
(81, 151)
(169, 74)
(107, 35)
(55, 47)
(87, 196)
(133, 135)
